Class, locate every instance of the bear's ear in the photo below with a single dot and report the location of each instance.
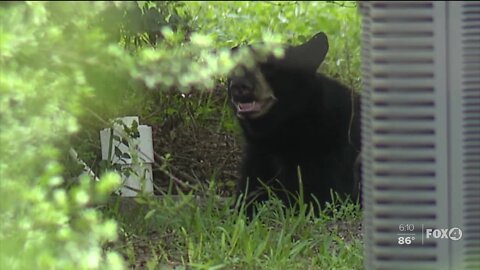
(308, 56)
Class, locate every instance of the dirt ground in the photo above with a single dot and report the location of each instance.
(199, 149)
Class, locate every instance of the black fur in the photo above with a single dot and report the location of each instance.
(309, 130)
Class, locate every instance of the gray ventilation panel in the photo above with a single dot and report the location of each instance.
(421, 133)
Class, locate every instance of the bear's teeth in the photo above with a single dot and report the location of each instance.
(246, 107)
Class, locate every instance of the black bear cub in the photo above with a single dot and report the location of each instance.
(300, 127)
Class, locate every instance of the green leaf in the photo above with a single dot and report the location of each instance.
(150, 214)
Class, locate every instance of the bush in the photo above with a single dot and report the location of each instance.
(43, 64)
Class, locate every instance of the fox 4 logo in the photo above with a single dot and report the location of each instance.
(452, 234)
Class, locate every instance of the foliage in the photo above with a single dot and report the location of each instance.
(185, 232)
(42, 83)
(292, 22)
(68, 67)
(224, 25)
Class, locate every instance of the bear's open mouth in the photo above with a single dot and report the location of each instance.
(254, 108)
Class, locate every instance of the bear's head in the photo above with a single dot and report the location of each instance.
(255, 92)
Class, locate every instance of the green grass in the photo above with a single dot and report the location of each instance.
(185, 232)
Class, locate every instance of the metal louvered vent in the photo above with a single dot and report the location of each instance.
(421, 134)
